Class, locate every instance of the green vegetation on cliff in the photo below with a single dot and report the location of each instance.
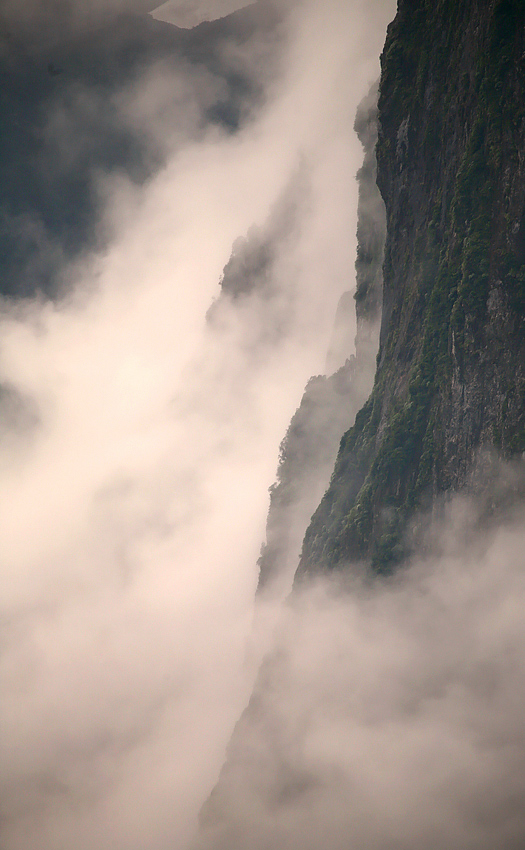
(451, 366)
(330, 402)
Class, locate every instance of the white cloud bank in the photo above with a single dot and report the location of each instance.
(137, 447)
(390, 713)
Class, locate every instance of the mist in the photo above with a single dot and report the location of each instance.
(389, 711)
(139, 438)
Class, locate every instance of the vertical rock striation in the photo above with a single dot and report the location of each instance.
(450, 383)
(449, 390)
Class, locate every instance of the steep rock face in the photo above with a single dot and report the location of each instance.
(250, 270)
(330, 403)
(450, 381)
(307, 456)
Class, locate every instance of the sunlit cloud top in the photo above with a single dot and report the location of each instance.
(190, 13)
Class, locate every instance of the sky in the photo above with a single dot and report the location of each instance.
(139, 440)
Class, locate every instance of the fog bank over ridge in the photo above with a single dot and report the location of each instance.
(138, 443)
(388, 713)
(145, 393)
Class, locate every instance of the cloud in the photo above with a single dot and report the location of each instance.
(138, 444)
(389, 712)
(185, 14)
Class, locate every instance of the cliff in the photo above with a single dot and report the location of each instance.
(450, 382)
(308, 451)
(330, 402)
(449, 390)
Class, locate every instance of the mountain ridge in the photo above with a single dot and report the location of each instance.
(445, 418)
(450, 381)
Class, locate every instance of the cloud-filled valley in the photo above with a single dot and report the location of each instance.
(148, 374)
(139, 440)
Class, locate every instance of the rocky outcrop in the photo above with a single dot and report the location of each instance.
(450, 381)
(330, 402)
